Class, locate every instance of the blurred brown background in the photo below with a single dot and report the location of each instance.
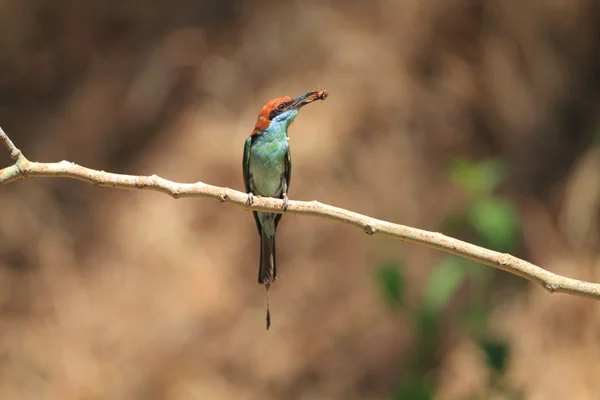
(107, 294)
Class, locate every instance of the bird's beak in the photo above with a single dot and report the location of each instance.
(307, 98)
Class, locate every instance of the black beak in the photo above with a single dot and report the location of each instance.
(307, 98)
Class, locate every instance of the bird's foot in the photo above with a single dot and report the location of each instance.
(285, 202)
(250, 199)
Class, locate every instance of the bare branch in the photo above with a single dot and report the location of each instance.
(24, 168)
(12, 149)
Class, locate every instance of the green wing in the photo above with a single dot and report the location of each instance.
(246, 163)
(246, 171)
(288, 178)
(288, 168)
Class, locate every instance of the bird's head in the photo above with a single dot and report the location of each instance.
(281, 112)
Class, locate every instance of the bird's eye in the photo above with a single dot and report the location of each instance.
(281, 106)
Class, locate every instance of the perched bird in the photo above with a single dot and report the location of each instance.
(267, 167)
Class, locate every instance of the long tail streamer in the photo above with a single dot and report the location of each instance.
(267, 286)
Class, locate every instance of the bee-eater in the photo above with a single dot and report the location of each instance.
(267, 167)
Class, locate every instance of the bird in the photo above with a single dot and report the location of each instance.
(267, 170)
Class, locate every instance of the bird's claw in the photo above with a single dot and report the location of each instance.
(285, 202)
(250, 199)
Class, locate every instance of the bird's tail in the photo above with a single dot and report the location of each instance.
(267, 272)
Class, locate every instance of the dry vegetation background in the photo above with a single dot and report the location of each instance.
(106, 294)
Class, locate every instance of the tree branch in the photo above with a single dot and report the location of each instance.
(23, 168)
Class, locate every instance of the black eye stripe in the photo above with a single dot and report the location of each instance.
(276, 111)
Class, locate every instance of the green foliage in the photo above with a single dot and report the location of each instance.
(414, 390)
(474, 318)
(488, 220)
(495, 220)
(477, 178)
(426, 323)
(388, 276)
(496, 352)
(443, 281)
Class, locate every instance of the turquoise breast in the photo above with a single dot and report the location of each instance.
(267, 165)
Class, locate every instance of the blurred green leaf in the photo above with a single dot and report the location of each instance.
(496, 221)
(455, 224)
(427, 324)
(475, 318)
(391, 281)
(496, 352)
(443, 282)
(414, 389)
(477, 177)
